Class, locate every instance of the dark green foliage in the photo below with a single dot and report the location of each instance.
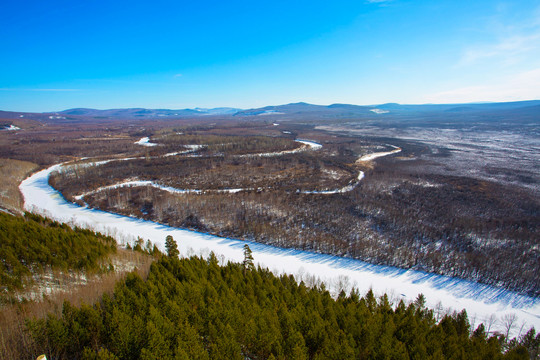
(171, 246)
(195, 309)
(33, 243)
(248, 259)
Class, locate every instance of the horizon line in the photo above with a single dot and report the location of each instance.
(285, 104)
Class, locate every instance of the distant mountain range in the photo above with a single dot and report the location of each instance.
(149, 113)
(461, 107)
(287, 111)
(526, 110)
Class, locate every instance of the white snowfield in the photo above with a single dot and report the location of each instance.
(483, 303)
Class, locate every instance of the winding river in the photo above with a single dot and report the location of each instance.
(483, 303)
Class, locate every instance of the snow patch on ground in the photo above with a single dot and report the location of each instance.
(332, 174)
(11, 128)
(145, 141)
(312, 144)
(374, 156)
(427, 184)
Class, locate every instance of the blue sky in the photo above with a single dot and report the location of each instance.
(178, 54)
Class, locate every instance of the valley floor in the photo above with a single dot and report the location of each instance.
(483, 303)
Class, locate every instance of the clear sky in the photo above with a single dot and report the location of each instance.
(178, 54)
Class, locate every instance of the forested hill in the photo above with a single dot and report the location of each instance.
(31, 244)
(196, 309)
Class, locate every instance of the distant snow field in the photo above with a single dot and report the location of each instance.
(270, 112)
(379, 111)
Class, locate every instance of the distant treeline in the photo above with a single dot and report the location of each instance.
(31, 244)
(196, 309)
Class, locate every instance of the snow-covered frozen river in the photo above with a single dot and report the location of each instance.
(483, 303)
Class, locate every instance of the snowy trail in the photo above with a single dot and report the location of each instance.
(480, 301)
(374, 156)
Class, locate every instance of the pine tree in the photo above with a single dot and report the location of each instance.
(248, 259)
(171, 246)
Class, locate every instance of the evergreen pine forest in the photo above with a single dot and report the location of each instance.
(33, 244)
(195, 308)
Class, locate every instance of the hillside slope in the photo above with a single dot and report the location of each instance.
(196, 309)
